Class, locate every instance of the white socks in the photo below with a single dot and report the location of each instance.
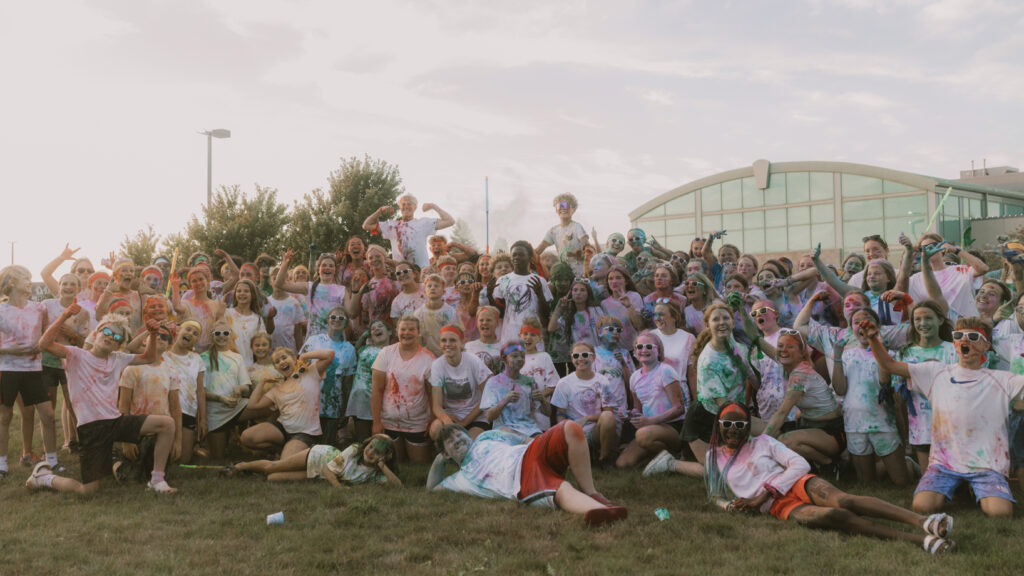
(51, 459)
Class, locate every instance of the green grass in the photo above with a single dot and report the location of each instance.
(218, 526)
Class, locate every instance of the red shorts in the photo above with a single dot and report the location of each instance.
(796, 497)
(545, 465)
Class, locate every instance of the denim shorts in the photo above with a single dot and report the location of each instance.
(987, 484)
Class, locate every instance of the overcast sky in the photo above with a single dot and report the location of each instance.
(614, 101)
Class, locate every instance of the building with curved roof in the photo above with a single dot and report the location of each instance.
(787, 208)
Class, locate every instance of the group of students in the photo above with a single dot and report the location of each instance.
(519, 367)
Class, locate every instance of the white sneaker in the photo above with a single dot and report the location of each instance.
(161, 487)
(663, 463)
(38, 471)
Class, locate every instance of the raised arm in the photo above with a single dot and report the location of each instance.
(803, 319)
(47, 272)
(282, 283)
(906, 264)
(445, 219)
(321, 359)
(979, 265)
(828, 275)
(232, 278)
(749, 328)
(370, 224)
(48, 341)
(885, 362)
(150, 354)
(931, 285)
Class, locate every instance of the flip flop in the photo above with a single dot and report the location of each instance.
(939, 525)
(935, 545)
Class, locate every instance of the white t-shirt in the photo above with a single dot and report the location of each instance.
(861, 410)
(520, 302)
(150, 386)
(969, 412)
(678, 348)
(650, 390)
(517, 416)
(93, 383)
(579, 398)
(244, 327)
(489, 353)
(298, 402)
(406, 406)
(492, 468)
(606, 365)
(462, 385)
(21, 327)
(569, 242)
(185, 371)
(409, 239)
(405, 303)
(957, 285)
(289, 313)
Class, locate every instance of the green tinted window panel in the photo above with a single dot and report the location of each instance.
(673, 243)
(905, 206)
(855, 231)
(950, 229)
(912, 226)
(824, 233)
(798, 187)
(686, 204)
(732, 195)
(659, 211)
(993, 209)
(799, 237)
(656, 227)
(680, 226)
(823, 213)
(890, 187)
(951, 209)
(1012, 210)
(799, 215)
(775, 217)
(823, 186)
(862, 210)
(775, 240)
(711, 223)
(732, 221)
(775, 194)
(854, 185)
(753, 240)
(711, 198)
(972, 208)
(753, 219)
(753, 197)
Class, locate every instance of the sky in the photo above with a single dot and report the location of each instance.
(613, 101)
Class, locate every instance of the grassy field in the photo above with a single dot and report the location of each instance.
(216, 526)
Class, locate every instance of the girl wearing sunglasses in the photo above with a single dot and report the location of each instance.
(412, 295)
(615, 362)
(227, 387)
(586, 397)
(337, 382)
(659, 404)
(699, 293)
(772, 388)
(759, 474)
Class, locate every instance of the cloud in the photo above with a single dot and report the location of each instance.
(661, 97)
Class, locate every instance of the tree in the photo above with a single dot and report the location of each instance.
(355, 190)
(141, 248)
(463, 234)
(239, 224)
(183, 243)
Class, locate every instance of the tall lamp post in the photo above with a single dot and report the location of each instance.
(210, 135)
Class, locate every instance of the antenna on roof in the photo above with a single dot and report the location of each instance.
(984, 166)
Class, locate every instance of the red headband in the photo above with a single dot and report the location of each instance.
(439, 266)
(530, 330)
(454, 330)
(153, 270)
(119, 303)
(254, 269)
(97, 275)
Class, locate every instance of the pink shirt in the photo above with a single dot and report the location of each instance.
(406, 406)
(93, 383)
(21, 327)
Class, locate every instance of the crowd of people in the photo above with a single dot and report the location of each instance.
(505, 371)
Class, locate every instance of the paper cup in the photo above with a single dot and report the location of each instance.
(275, 518)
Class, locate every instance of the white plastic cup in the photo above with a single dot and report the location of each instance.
(275, 518)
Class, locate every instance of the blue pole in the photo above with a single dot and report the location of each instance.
(487, 212)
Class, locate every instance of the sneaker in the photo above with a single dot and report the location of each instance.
(599, 516)
(663, 463)
(161, 487)
(41, 469)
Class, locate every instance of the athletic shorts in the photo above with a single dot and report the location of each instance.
(28, 384)
(188, 422)
(698, 424)
(987, 484)
(307, 439)
(868, 443)
(97, 444)
(833, 428)
(795, 498)
(544, 467)
(54, 377)
(410, 437)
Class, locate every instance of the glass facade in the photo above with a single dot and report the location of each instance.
(799, 209)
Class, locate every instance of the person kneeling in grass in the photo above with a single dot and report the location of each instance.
(760, 474)
(365, 463)
(93, 378)
(499, 465)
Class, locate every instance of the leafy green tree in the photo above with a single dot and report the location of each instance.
(142, 247)
(356, 189)
(242, 225)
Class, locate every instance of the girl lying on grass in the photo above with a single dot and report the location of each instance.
(759, 474)
(365, 463)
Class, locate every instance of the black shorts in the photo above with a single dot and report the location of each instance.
(307, 439)
(698, 425)
(188, 422)
(411, 437)
(28, 384)
(481, 424)
(833, 428)
(97, 444)
(54, 377)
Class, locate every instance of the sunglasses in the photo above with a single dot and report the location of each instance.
(635, 240)
(969, 336)
(761, 311)
(737, 424)
(327, 255)
(583, 355)
(337, 317)
(84, 271)
(646, 346)
(563, 205)
(662, 300)
(698, 239)
(403, 272)
(693, 283)
(222, 333)
(117, 336)
(675, 258)
(615, 329)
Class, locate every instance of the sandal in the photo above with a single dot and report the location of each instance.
(161, 487)
(939, 525)
(229, 471)
(935, 545)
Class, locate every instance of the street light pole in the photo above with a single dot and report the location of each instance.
(210, 135)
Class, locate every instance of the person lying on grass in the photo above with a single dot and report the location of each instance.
(970, 406)
(93, 378)
(499, 465)
(760, 474)
(365, 463)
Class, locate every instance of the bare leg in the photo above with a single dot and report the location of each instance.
(293, 463)
(293, 447)
(865, 467)
(649, 440)
(579, 457)
(45, 410)
(188, 439)
(62, 484)
(286, 476)
(572, 500)
(217, 442)
(163, 427)
(68, 420)
(691, 469)
(700, 450)
(997, 507)
(924, 455)
(824, 494)
(263, 436)
(928, 502)
(814, 445)
(6, 415)
(846, 521)
(475, 431)
(607, 434)
(896, 466)
(28, 419)
(631, 456)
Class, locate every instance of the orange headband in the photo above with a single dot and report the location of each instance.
(454, 330)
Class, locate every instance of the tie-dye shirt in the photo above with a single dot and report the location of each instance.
(823, 338)
(490, 353)
(650, 390)
(517, 416)
(327, 296)
(346, 466)
(289, 313)
(817, 400)
(222, 381)
(719, 377)
(492, 468)
(150, 386)
(21, 327)
(406, 303)
(362, 385)
(343, 366)
(569, 241)
(606, 365)
(377, 299)
(969, 412)
(861, 410)
(920, 421)
(678, 348)
(957, 286)
(406, 406)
